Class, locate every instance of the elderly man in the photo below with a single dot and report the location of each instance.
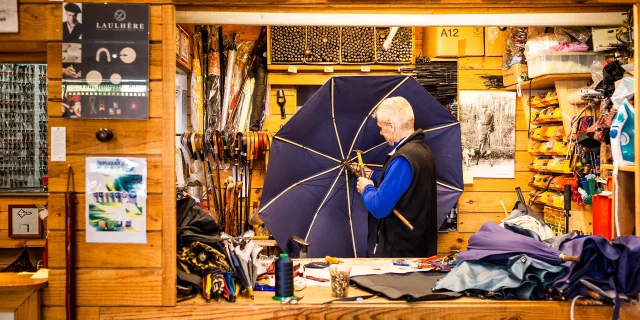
(407, 183)
(72, 29)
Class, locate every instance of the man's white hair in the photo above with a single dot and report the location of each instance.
(397, 109)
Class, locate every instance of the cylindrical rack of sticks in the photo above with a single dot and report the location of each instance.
(219, 152)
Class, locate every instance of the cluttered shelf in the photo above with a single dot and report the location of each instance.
(322, 68)
(548, 81)
(621, 168)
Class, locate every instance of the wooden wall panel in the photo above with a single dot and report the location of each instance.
(108, 255)
(130, 137)
(480, 201)
(168, 274)
(59, 313)
(117, 274)
(56, 212)
(107, 287)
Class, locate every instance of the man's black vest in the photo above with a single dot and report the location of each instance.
(388, 236)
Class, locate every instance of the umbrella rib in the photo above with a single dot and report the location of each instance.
(442, 127)
(307, 148)
(306, 238)
(333, 117)
(298, 183)
(353, 239)
(372, 110)
(449, 186)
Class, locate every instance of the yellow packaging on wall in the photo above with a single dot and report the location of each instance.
(453, 41)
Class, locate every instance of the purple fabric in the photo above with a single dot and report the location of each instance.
(628, 275)
(496, 244)
(293, 210)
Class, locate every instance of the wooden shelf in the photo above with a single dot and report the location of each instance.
(337, 67)
(621, 168)
(21, 243)
(548, 81)
(182, 66)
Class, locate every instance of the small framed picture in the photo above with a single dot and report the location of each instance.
(24, 222)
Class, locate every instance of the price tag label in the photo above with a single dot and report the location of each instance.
(292, 69)
(328, 69)
(365, 68)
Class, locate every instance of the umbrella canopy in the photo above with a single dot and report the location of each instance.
(308, 192)
(494, 243)
(610, 265)
(521, 278)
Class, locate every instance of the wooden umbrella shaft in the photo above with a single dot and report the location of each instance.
(70, 303)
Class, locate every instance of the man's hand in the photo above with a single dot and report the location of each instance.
(363, 182)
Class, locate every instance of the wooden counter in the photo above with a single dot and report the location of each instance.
(20, 296)
(312, 307)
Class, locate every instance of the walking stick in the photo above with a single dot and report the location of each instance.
(71, 201)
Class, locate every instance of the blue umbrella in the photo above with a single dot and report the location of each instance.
(497, 244)
(308, 191)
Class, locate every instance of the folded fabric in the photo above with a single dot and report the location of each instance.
(413, 286)
(530, 223)
(523, 278)
(570, 47)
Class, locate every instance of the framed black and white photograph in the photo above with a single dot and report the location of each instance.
(24, 222)
(488, 123)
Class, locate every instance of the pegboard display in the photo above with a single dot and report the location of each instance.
(23, 127)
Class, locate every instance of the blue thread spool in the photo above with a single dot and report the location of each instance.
(284, 278)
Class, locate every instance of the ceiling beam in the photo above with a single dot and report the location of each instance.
(400, 19)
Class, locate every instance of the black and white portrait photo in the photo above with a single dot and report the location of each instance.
(488, 133)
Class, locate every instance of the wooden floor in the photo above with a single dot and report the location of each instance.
(311, 307)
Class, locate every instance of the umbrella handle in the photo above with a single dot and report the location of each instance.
(403, 219)
(564, 258)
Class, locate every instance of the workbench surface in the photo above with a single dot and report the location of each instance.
(314, 306)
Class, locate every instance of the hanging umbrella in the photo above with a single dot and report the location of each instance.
(309, 192)
(496, 244)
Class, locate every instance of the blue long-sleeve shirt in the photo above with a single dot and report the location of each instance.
(381, 200)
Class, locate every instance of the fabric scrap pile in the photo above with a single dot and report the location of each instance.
(501, 264)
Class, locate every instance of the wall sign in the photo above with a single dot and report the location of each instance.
(116, 200)
(24, 222)
(8, 16)
(105, 61)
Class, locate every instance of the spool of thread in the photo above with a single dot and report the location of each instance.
(284, 278)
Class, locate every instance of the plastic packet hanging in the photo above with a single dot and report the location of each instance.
(581, 34)
(625, 90)
(197, 103)
(539, 44)
(493, 34)
(213, 81)
(515, 40)
(237, 82)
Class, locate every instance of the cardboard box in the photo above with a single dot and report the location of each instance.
(510, 77)
(603, 38)
(494, 42)
(453, 41)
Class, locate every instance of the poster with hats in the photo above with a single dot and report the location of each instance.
(105, 61)
(116, 200)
